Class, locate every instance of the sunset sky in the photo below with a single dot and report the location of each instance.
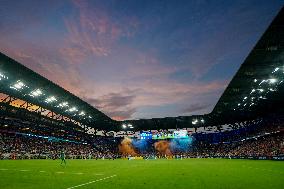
(136, 59)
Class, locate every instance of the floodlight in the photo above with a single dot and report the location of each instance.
(2, 76)
(82, 113)
(202, 120)
(273, 80)
(63, 104)
(36, 93)
(72, 109)
(275, 70)
(270, 89)
(194, 121)
(255, 80)
(262, 82)
(50, 99)
(124, 126)
(18, 85)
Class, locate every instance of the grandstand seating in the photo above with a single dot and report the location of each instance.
(263, 139)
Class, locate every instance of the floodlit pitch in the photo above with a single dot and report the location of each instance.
(158, 174)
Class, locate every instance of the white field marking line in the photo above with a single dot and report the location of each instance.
(42, 171)
(59, 172)
(4, 169)
(91, 182)
(23, 170)
(98, 174)
(78, 173)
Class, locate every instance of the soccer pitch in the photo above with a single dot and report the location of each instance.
(148, 174)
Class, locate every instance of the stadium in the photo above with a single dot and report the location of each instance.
(51, 138)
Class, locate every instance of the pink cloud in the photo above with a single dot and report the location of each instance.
(93, 33)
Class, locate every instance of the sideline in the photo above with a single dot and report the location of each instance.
(91, 182)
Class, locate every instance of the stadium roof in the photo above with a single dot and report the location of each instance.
(257, 87)
(21, 82)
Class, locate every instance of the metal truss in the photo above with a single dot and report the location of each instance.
(7, 104)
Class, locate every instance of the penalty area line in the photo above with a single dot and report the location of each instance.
(92, 182)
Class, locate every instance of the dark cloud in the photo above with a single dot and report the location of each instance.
(116, 105)
(122, 114)
(195, 107)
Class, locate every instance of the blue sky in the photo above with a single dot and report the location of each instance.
(136, 59)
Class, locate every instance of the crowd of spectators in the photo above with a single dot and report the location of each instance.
(264, 146)
(267, 142)
(15, 146)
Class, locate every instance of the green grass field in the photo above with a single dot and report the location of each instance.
(158, 174)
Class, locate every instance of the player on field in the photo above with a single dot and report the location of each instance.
(62, 157)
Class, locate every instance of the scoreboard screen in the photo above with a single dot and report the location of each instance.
(145, 135)
(162, 135)
(181, 134)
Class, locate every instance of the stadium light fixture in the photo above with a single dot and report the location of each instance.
(262, 82)
(18, 85)
(36, 93)
(194, 121)
(73, 109)
(275, 70)
(272, 81)
(50, 99)
(272, 90)
(63, 104)
(82, 113)
(2, 76)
